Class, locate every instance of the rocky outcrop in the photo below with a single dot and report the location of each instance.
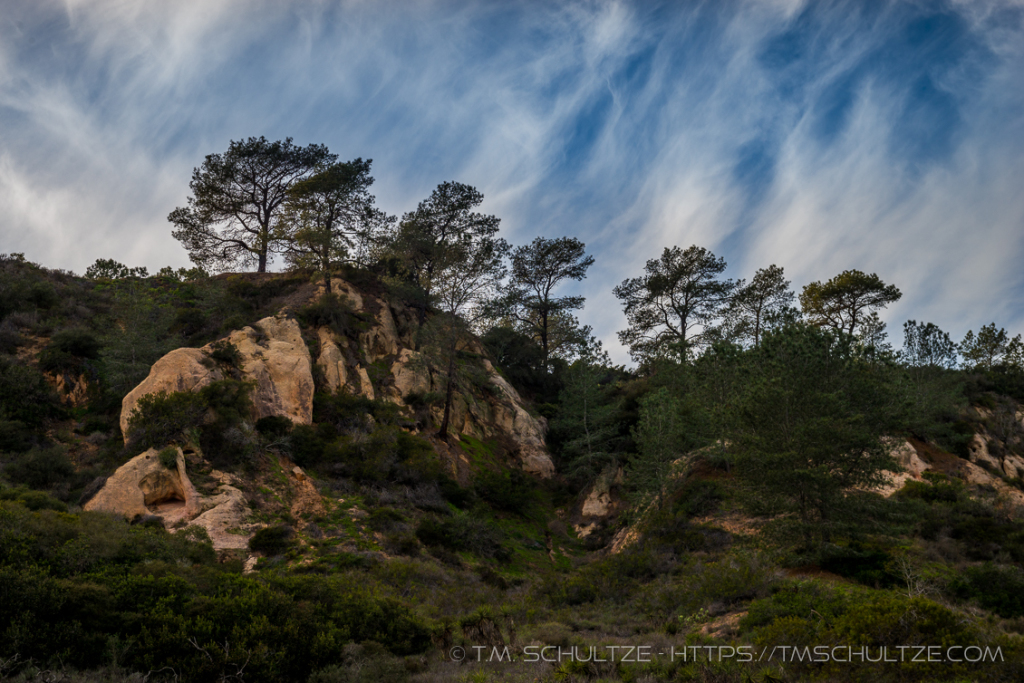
(272, 354)
(145, 486)
(389, 337)
(275, 355)
(913, 466)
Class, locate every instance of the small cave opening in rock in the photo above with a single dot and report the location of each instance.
(164, 495)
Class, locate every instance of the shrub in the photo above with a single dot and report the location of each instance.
(274, 426)
(272, 540)
(332, 311)
(455, 494)
(14, 436)
(998, 588)
(33, 500)
(226, 353)
(698, 497)
(25, 395)
(41, 468)
(169, 457)
(307, 444)
(162, 418)
(510, 490)
(463, 532)
(68, 349)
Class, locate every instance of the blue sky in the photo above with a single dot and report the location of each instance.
(820, 136)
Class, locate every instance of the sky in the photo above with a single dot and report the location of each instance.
(819, 136)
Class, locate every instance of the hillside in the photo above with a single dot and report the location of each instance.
(241, 477)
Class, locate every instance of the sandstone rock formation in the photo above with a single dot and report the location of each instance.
(390, 338)
(273, 355)
(143, 486)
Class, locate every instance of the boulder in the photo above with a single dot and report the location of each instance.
(980, 455)
(331, 361)
(276, 356)
(526, 430)
(224, 520)
(143, 486)
(411, 375)
(273, 355)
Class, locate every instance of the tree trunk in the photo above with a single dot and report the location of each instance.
(262, 268)
(327, 281)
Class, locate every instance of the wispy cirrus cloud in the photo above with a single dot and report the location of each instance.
(883, 136)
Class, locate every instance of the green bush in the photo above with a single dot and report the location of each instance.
(160, 418)
(333, 311)
(999, 588)
(14, 436)
(169, 457)
(41, 468)
(25, 395)
(274, 426)
(68, 349)
(226, 353)
(698, 497)
(463, 532)
(272, 540)
(510, 490)
(33, 500)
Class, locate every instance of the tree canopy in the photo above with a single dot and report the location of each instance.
(330, 217)
(232, 216)
(529, 302)
(426, 237)
(671, 308)
(845, 302)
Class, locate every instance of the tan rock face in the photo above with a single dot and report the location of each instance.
(143, 486)
(273, 354)
(276, 357)
(332, 361)
(179, 370)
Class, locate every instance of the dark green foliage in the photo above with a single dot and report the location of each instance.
(41, 468)
(160, 418)
(24, 394)
(458, 496)
(808, 423)
(521, 361)
(698, 497)
(999, 588)
(216, 412)
(14, 436)
(272, 540)
(507, 489)
(68, 349)
(72, 584)
(226, 353)
(274, 426)
(867, 565)
(347, 412)
(385, 454)
(169, 457)
(463, 532)
(939, 489)
(307, 443)
(334, 312)
(33, 500)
